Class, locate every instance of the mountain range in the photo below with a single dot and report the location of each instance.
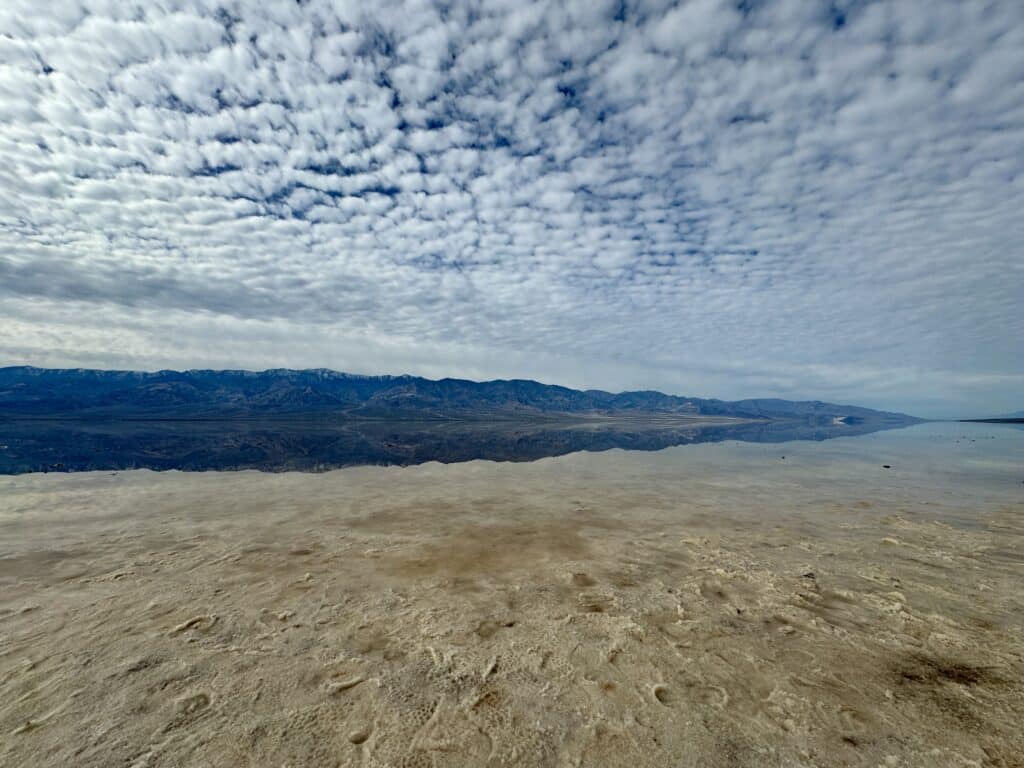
(29, 392)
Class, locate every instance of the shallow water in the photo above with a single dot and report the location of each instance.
(311, 445)
(711, 604)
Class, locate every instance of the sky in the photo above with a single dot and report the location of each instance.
(785, 198)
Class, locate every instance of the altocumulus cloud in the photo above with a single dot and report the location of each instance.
(713, 198)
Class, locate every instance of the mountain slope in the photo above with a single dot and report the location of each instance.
(196, 394)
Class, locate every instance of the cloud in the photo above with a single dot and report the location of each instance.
(713, 198)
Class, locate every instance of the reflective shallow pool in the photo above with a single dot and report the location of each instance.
(714, 604)
(310, 445)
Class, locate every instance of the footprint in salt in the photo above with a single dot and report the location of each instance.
(663, 694)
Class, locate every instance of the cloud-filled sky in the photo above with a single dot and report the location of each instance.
(745, 198)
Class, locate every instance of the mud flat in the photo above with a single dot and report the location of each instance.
(587, 610)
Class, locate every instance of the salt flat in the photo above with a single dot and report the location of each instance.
(712, 605)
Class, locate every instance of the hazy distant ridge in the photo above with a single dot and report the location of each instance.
(38, 392)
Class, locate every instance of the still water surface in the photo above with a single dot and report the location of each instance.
(849, 601)
(48, 446)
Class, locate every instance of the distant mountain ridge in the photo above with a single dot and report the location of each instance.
(26, 392)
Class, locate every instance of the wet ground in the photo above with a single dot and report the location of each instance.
(707, 605)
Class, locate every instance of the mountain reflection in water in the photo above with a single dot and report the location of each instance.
(274, 446)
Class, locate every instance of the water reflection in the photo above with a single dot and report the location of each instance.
(40, 446)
